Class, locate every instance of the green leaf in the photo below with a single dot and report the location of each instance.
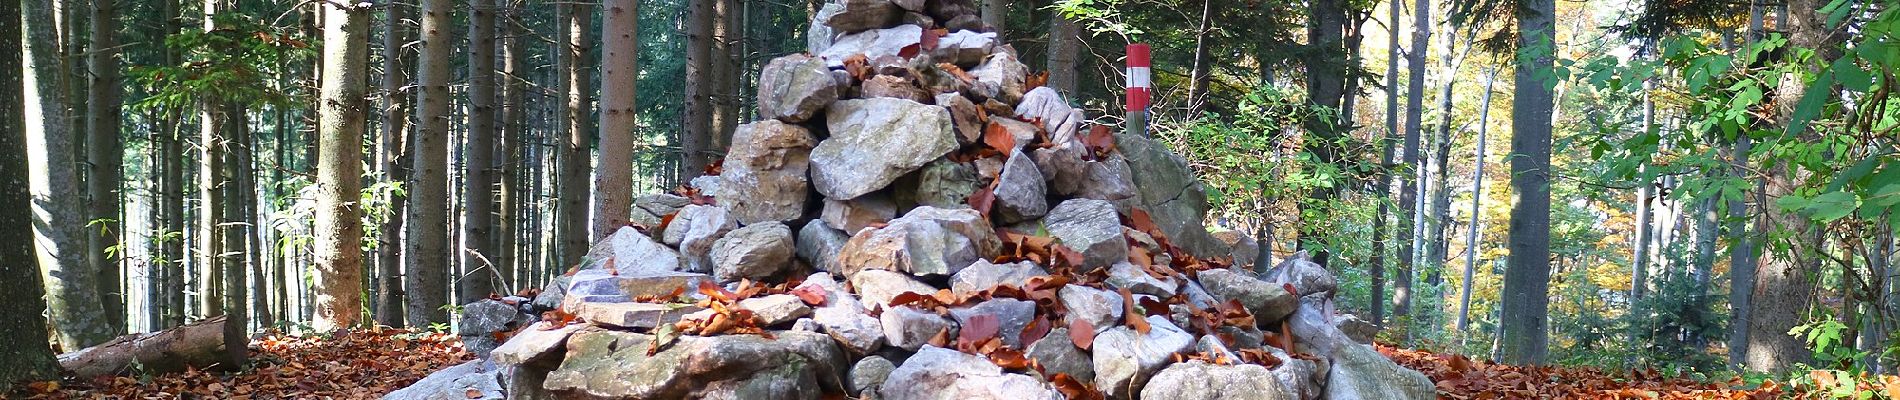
(1832, 206)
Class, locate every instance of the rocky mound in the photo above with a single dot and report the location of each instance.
(916, 218)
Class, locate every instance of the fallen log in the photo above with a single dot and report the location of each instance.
(195, 345)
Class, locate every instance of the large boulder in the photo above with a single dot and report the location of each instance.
(1268, 302)
(1242, 248)
(1091, 227)
(614, 364)
(910, 328)
(539, 343)
(936, 373)
(757, 251)
(600, 286)
(964, 47)
(484, 318)
(1169, 192)
(1057, 354)
(764, 177)
(649, 209)
(877, 287)
(1361, 373)
(632, 315)
(1124, 359)
(475, 379)
(868, 375)
(1101, 308)
(875, 141)
(794, 88)
(1198, 380)
(926, 241)
(776, 309)
(1137, 280)
(1306, 277)
(631, 251)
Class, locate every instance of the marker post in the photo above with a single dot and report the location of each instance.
(1136, 116)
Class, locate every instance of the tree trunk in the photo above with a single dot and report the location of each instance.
(1197, 81)
(1065, 45)
(1413, 176)
(996, 15)
(696, 136)
(1385, 162)
(340, 123)
(1477, 212)
(508, 146)
(1441, 165)
(195, 345)
(1525, 300)
(59, 223)
(477, 278)
(104, 98)
(1645, 198)
(393, 155)
(24, 354)
(572, 233)
(428, 283)
(1742, 261)
(613, 179)
(725, 74)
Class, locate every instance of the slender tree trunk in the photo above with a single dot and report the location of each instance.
(172, 203)
(58, 221)
(428, 282)
(996, 15)
(24, 354)
(1477, 212)
(1441, 165)
(104, 97)
(725, 70)
(1385, 162)
(232, 225)
(341, 118)
(1065, 45)
(613, 179)
(1414, 176)
(508, 147)
(1742, 261)
(477, 278)
(393, 155)
(1197, 82)
(695, 139)
(573, 234)
(1525, 298)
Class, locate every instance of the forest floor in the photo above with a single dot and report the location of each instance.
(368, 364)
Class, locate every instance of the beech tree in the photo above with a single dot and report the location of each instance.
(341, 120)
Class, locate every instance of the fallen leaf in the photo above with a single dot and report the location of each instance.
(1082, 333)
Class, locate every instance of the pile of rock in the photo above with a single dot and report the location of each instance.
(915, 218)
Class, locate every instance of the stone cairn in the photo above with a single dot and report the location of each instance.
(915, 218)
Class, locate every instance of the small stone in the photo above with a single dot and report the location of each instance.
(869, 373)
(1125, 359)
(856, 331)
(1268, 302)
(936, 373)
(1003, 76)
(1101, 308)
(888, 86)
(1091, 227)
(875, 141)
(1359, 330)
(776, 309)
(649, 209)
(910, 328)
(1360, 373)
(1245, 249)
(858, 15)
(475, 379)
(1198, 380)
(964, 47)
(482, 319)
(1020, 195)
(856, 214)
(632, 315)
(877, 287)
(1307, 277)
(757, 251)
(941, 183)
(631, 251)
(694, 230)
(539, 342)
(926, 241)
(1128, 276)
(818, 244)
(1168, 190)
(1058, 355)
(965, 117)
(984, 275)
(1012, 316)
(598, 286)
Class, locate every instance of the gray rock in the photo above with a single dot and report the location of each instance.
(1359, 330)
(1101, 308)
(1168, 190)
(877, 287)
(936, 373)
(649, 209)
(819, 244)
(709, 185)
(927, 241)
(818, 35)
(794, 88)
(910, 328)
(1058, 355)
(1244, 249)
(858, 15)
(909, 5)
(1317, 334)
(552, 294)
(1091, 227)
(1001, 77)
(1012, 316)
(1307, 277)
(1268, 302)
(941, 183)
(873, 43)
(1359, 372)
(856, 214)
(856, 331)
(765, 169)
(965, 116)
(631, 251)
(694, 230)
(1123, 275)
(776, 309)
(869, 374)
(1303, 380)
(633, 315)
(1125, 359)
(984, 275)
(1020, 195)
(456, 383)
(540, 342)
(482, 319)
(963, 47)
(1022, 132)
(890, 86)
(875, 141)
(757, 251)
(597, 286)
(1213, 348)
(613, 364)
(1197, 295)
(1198, 380)
(1046, 105)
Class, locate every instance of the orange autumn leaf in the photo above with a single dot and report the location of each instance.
(1130, 316)
(997, 137)
(1082, 333)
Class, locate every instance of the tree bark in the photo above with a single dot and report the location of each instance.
(1477, 212)
(340, 124)
(696, 137)
(1525, 300)
(1742, 261)
(1198, 78)
(508, 145)
(1385, 162)
(613, 179)
(1413, 176)
(58, 223)
(726, 72)
(24, 354)
(104, 96)
(477, 277)
(393, 155)
(427, 238)
(996, 15)
(572, 233)
(195, 345)
(1065, 44)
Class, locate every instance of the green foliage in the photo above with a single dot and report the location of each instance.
(233, 63)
